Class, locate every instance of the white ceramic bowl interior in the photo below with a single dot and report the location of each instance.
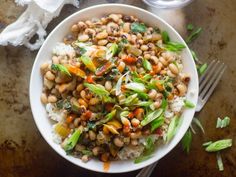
(44, 124)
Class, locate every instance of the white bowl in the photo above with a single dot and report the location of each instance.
(43, 123)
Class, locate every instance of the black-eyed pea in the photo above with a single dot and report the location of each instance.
(173, 68)
(154, 59)
(156, 37)
(76, 122)
(157, 104)
(80, 87)
(89, 23)
(50, 76)
(108, 85)
(83, 94)
(92, 135)
(163, 61)
(114, 17)
(118, 142)
(85, 158)
(48, 84)
(83, 102)
(169, 73)
(134, 142)
(135, 122)
(44, 98)
(102, 42)
(52, 99)
(147, 56)
(96, 150)
(44, 67)
(83, 37)
(185, 77)
(182, 89)
(144, 47)
(152, 94)
(81, 25)
(126, 27)
(93, 101)
(102, 35)
(79, 147)
(74, 28)
(135, 135)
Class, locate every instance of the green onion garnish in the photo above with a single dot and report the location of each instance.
(219, 145)
(222, 123)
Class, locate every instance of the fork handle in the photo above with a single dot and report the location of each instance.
(147, 171)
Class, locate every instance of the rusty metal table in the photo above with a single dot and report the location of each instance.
(24, 153)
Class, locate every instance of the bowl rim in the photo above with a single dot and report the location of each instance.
(152, 160)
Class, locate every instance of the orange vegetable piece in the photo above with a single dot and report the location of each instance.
(159, 86)
(109, 107)
(70, 118)
(89, 79)
(131, 115)
(76, 71)
(138, 111)
(130, 60)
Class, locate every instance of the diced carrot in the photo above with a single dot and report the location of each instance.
(131, 115)
(89, 79)
(159, 86)
(130, 60)
(75, 70)
(170, 96)
(87, 114)
(70, 118)
(109, 107)
(102, 70)
(156, 69)
(138, 111)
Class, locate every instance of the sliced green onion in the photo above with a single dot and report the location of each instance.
(144, 103)
(142, 158)
(107, 118)
(73, 139)
(222, 123)
(193, 35)
(219, 145)
(88, 63)
(174, 46)
(165, 37)
(219, 162)
(61, 68)
(151, 116)
(164, 103)
(202, 69)
(119, 83)
(172, 128)
(135, 86)
(207, 143)
(198, 123)
(157, 123)
(188, 104)
(147, 65)
(187, 140)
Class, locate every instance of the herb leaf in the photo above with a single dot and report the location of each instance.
(174, 46)
(186, 141)
(190, 27)
(165, 37)
(193, 35)
(61, 68)
(138, 27)
(219, 145)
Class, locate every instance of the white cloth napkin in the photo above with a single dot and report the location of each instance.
(33, 21)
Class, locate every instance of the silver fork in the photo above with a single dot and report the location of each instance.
(207, 83)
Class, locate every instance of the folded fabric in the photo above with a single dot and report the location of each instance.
(33, 21)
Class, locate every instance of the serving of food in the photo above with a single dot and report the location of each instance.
(115, 88)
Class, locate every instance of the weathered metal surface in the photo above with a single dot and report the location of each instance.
(24, 153)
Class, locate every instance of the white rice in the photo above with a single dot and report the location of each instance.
(63, 49)
(130, 152)
(177, 104)
(54, 114)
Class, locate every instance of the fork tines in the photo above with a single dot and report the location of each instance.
(209, 80)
